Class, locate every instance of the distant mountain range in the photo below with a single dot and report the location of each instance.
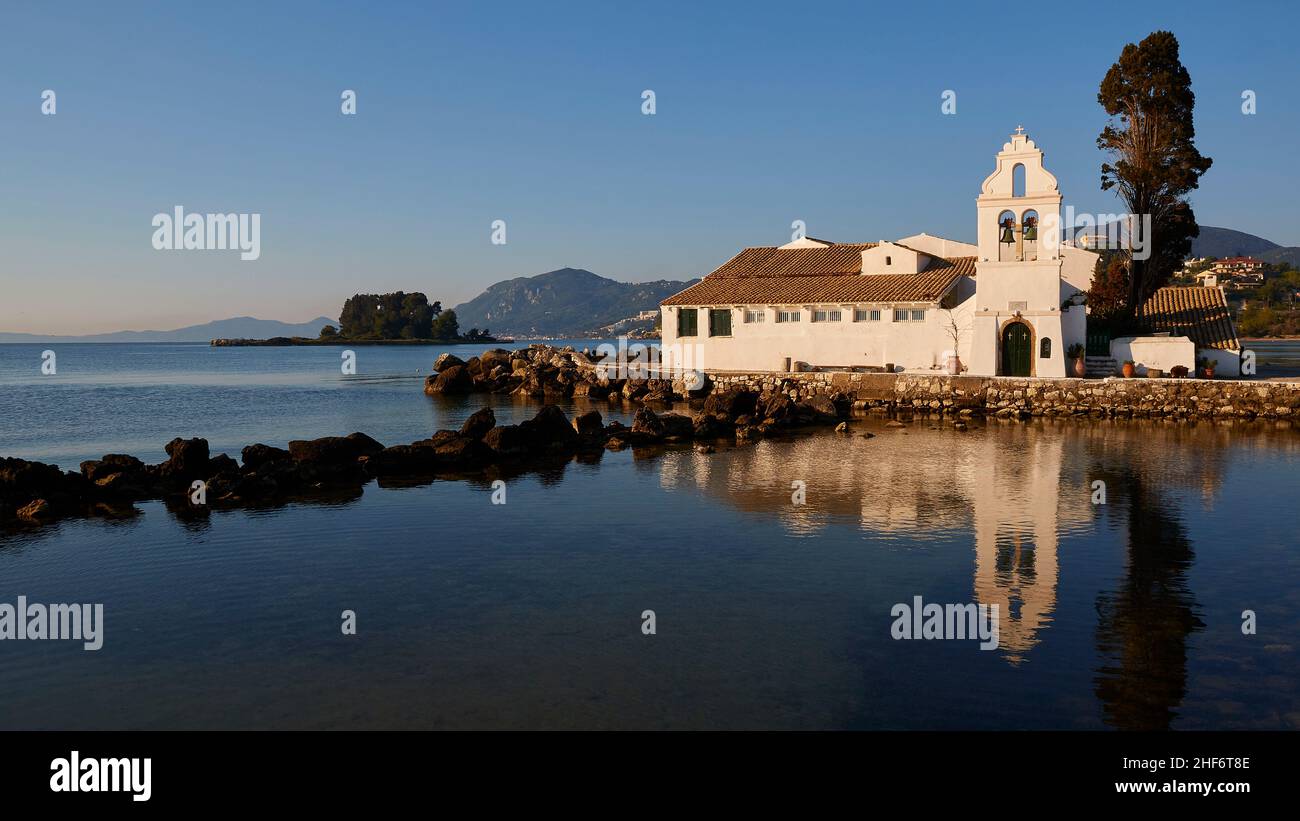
(570, 302)
(1225, 242)
(240, 327)
(573, 302)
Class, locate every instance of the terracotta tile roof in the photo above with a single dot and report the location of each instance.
(794, 262)
(1201, 314)
(797, 276)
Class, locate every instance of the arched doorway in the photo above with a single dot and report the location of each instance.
(1017, 349)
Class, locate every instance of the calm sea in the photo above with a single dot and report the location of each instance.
(1125, 614)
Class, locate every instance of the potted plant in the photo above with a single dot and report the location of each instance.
(1178, 372)
(1207, 367)
(1130, 368)
(952, 362)
(1076, 352)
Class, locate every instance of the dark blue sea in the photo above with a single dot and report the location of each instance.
(1124, 614)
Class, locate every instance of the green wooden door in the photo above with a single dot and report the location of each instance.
(1016, 350)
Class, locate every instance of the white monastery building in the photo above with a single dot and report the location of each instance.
(1009, 305)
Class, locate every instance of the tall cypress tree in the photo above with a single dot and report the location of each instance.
(1154, 162)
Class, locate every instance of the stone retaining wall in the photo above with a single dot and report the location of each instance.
(1006, 396)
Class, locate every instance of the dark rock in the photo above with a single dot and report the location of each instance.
(677, 426)
(222, 464)
(589, 424)
(822, 408)
(439, 438)
(403, 459)
(455, 379)
(549, 429)
(112, 463)
(496, 358)
(189, 460)
(37, 510)
(257, 455)
(777, 409)
(23, 482)
(445, 361)
(462, 452)
(647, 423)
(334, 450)
(506, 440)
(730, 404)
(711, 427)
(479, 423)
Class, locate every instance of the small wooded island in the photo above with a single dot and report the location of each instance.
(398, 318)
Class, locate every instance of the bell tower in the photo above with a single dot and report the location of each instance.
(1019, 206)
(1017, 324)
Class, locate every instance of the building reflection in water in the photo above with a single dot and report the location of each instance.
(1004, 485)
(1020, 490)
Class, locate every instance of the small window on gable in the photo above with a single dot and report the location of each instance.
(1018, 180)
(889, 260)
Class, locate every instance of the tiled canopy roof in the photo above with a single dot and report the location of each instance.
(1201, 314)
(796, 276)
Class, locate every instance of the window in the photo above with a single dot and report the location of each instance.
(759, 315)
(720, 322)
(1045, 348)
(866, 315)
(900, 314)
(918, 316)
(909, 315)
(826, 315)
(889, 260)
(788, 316)
(686, 322)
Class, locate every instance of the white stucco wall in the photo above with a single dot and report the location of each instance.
(1163, 352)
(763, 346)
(1227, 363)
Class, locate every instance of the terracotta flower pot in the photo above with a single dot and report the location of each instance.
(1080, 368)
(1129, 370)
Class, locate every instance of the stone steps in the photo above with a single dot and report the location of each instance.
(1100, 366)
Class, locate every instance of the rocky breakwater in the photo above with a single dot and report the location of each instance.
(543, 371)
(193, 480)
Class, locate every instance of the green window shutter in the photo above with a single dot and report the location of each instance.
(686, 322)
(720, 322)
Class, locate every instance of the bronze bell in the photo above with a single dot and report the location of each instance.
(1031, 229)
(1007, 235)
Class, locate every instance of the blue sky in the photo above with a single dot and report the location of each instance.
(531, 113)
